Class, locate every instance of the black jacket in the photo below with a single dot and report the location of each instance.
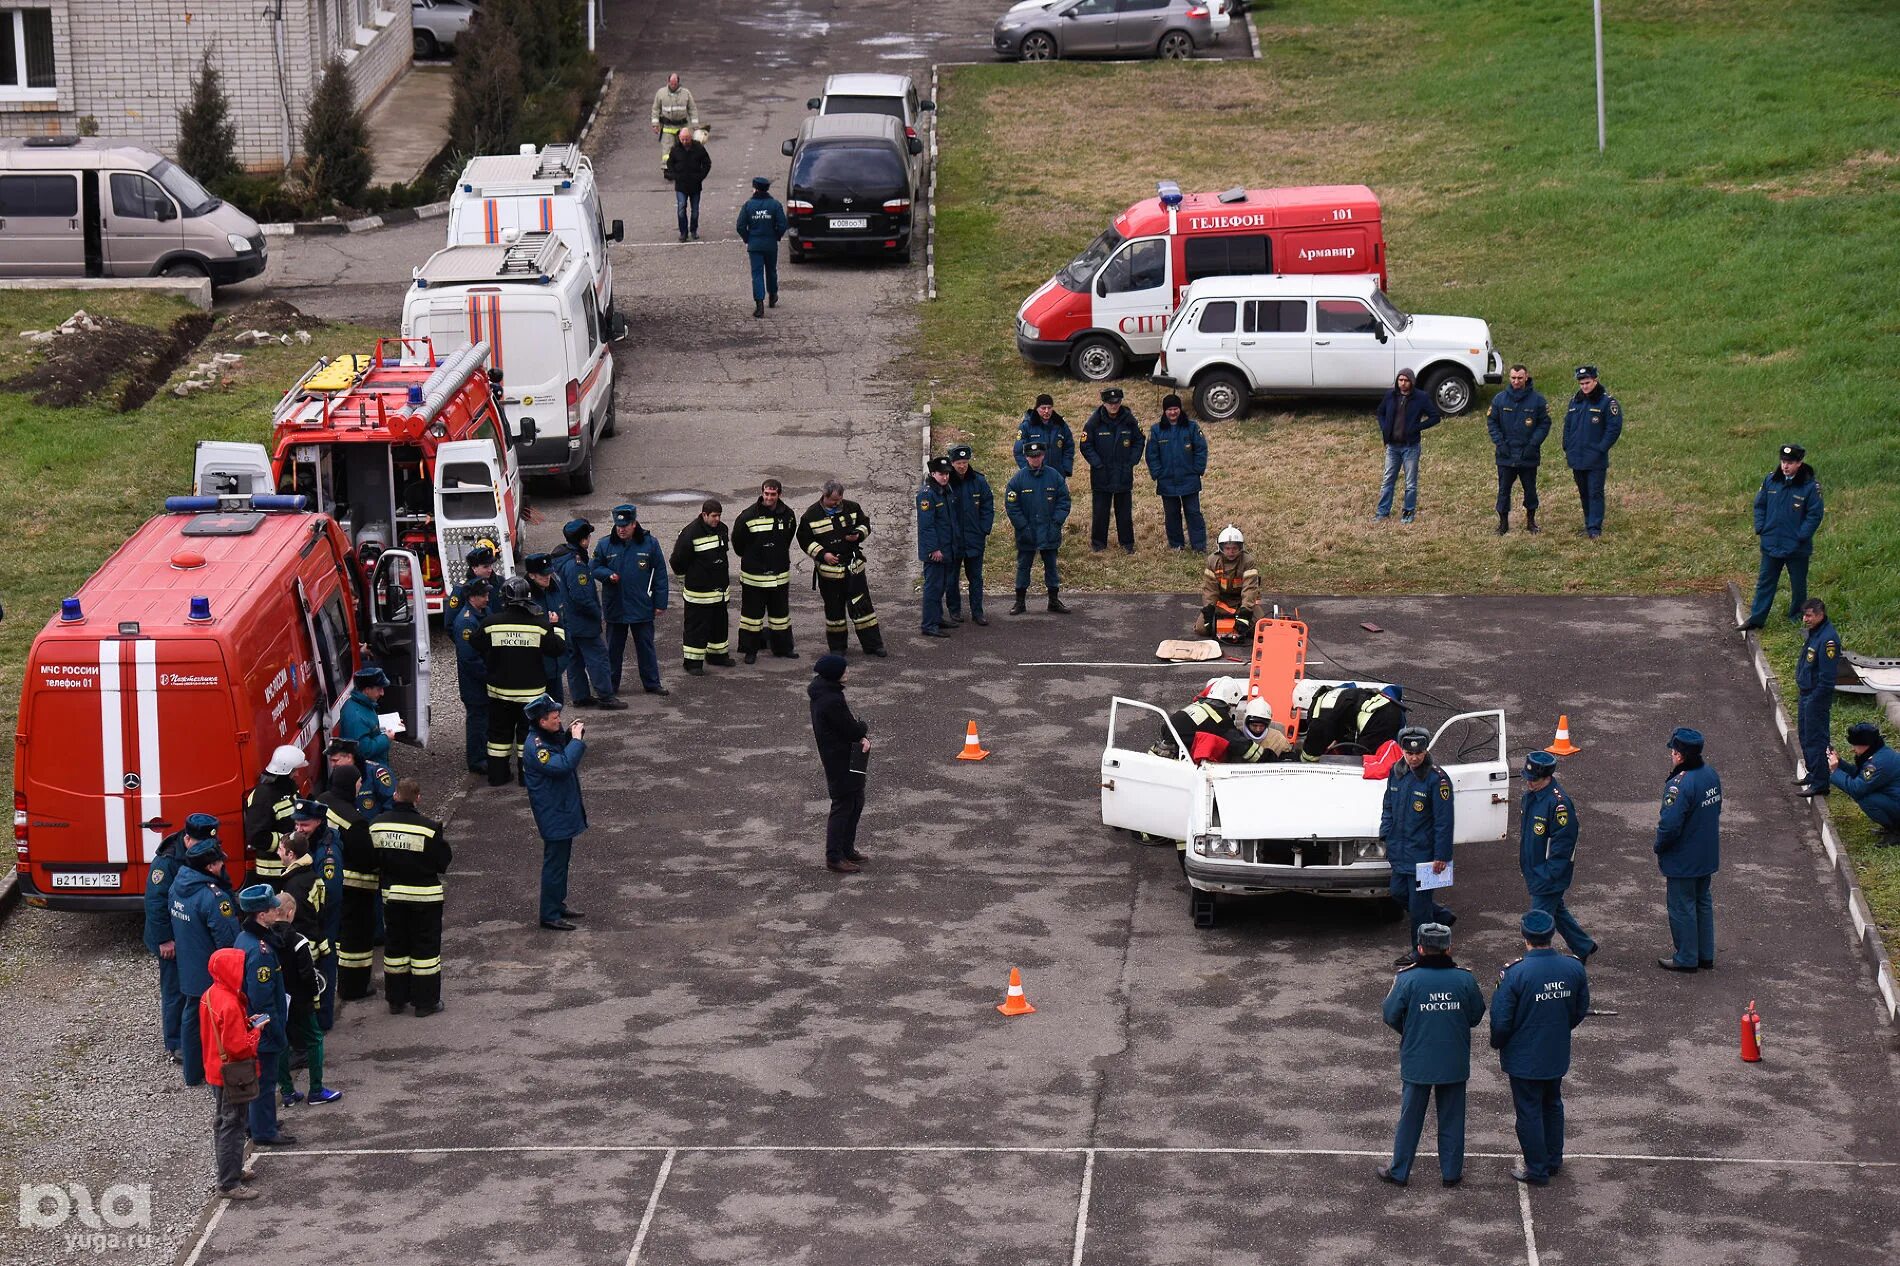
(836, 730)
(688, 167)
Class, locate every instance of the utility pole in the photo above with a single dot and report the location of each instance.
(1598, 5)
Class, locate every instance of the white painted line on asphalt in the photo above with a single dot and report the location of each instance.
(653, 1206)
(1082, 1207)
(1066, 663)
(1530, 1232)
(217, 1216)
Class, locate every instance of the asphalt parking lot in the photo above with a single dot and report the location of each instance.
(743, 1056)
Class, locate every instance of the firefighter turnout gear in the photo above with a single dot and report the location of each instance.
(839, 531)
(1230, 593)
(514, 644)
(411, 855)
(762, 538)
(356, 930)
(267, 810)
(699, 560)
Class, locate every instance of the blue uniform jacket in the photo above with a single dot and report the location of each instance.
(204, 918)
(1874, 783)
(762, 222)
(582, 616)
(973, 506)
(1037, 502)
(1820, 664)
(358, 721)
(1055, 436)
(553, 765)
(553, 600)
(1539, 999)
(470, 667)
(1177, 457)
(1112, 447)
(936, 521)
(1688, 833)
(632, 578)
(326, 855)
(1788, 512)
(1591, 426)
(1416, 821)
(1434, 1006)
(166, 863)
(1547, 841)
(1413, 409)
(1519, 422)
(264, 990)
(376, 790)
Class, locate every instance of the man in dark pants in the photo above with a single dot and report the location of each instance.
(1814, 676)
(357, 923)
(936, 545)
(1041, 424)
(1519, 420)
(1037, 502)
(1416, 825)
(471, 675)
(589, 679)
(687, 166)
(1112, 444)
(265, 994)
(700, 561)
(554, 794)
(762, 538)
(515, 644)
(204, 920)
(166, 861)
(1788, 512)
(762, 224)
(1873, 780)
(975, 507)
(844, 751)
(1547, 848)
(1689, 852)
(1592, 424)
(1177, 458)
(1540, 998)
(631, 573)
(1434, 1004)
(412, 854)
(832, 532)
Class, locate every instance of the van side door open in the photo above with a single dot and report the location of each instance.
(399, 638)
(223, 468)
(1480, 774)
(471, 505)
(1140, 790)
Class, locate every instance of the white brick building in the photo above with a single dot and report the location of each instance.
(128, 65)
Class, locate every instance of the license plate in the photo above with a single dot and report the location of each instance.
(85, 879)
(855, 222)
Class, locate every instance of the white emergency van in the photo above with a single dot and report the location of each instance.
(549, 190)
(531, 300)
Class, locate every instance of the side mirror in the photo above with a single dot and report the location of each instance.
(1070, 13)
(1378, 331)
(812, 103)
(494, 377)
(617, 329)
(619, 233)
(926, 105)
(528, 433)
(914, 145)
(166, 211)
(788, 148)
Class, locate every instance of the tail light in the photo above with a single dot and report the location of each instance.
(1198, 11)
(897, 206)
(573, 407)
(798, 207)
(911, 132)
(19, 826)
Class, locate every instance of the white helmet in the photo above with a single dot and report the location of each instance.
(286, 759)
(1228, 690)
(1258, 709)
(1230, 535)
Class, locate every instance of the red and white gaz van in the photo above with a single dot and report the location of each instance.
(1114, 300)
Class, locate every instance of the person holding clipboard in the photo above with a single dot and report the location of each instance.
(1416, 826)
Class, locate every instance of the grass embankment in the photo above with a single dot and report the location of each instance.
(76, 482)
(1729, 263)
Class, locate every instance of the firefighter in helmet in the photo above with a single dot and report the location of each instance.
(1230, 590)
(514, 643)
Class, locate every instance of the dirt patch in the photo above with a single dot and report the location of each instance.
(241, 327)
(1871, 168)
(103, 360)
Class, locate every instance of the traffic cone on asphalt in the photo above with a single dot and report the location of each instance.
(972, 749)
(1751, 1035)
(1563, 746)
(1014, 1003)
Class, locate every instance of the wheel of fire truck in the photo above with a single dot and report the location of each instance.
(1221, 395)
(1097, 358)
(581, 481)
(1201, 906)
(613, 412)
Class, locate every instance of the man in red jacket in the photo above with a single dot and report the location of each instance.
(228, 1034)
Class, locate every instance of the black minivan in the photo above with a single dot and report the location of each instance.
(851, 188)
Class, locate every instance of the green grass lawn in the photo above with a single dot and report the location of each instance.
(1730, 263)
(76, 482)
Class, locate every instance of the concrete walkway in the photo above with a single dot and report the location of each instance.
(410, 124)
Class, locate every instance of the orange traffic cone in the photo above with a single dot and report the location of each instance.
(1014, 1003)
(972, 749)
(1563, 746)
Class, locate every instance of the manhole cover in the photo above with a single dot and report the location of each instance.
(674, 496)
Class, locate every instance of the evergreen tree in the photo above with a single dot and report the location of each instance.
(207, 139)
(335, 140)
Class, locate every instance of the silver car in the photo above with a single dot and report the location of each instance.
(1106, 28)
(439, 23)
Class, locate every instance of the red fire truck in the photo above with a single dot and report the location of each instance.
(402, 455)
(1113, 301)
(223, 628)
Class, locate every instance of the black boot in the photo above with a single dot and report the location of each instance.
(1055, 602)
(758, 307)
(774, 299)
(695, 669)
(1504, 522)
(1021, 606)
(1530, 520)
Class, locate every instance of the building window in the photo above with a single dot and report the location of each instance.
(26, 55)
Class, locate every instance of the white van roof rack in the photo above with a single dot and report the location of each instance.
(534, 258)
(489, 174)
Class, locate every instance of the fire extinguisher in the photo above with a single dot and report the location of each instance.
(1751, 1035)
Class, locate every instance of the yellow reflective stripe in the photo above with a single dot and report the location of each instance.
(750, 624)
(779, 621)
(347, 958)
(705, 595)
(693, 652)
(395, 966)
(271, 866)
(353, 879)
(708, 542)
(514, 628)
(831, 571)
(425, 966)
(523, 695)
(412, 892)
(765, 580)
(516, 639)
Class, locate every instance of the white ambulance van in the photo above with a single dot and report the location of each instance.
(550, 190)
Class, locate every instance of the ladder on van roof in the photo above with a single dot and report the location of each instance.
(534, 258)
(489, 175)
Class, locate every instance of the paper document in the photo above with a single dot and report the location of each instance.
(1427, 880)
(390, 722)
